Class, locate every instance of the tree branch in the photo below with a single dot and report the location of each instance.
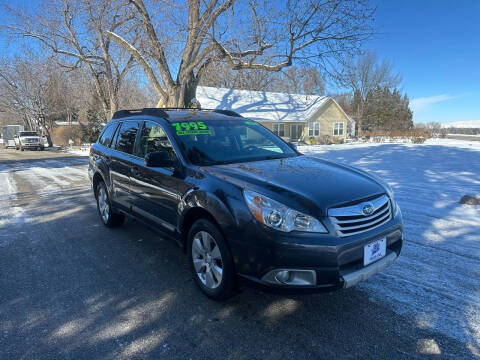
(140, 59)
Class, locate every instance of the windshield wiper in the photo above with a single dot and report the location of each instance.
(273, 157)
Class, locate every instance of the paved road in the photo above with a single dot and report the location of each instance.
(73, 289)
(463, 137)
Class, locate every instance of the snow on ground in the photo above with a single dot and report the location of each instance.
(51, 175)
(47, 177)
(80, 151)
(8, 214)
(437, 277)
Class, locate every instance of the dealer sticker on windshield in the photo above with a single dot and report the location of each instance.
(374, 251)
(191, 128)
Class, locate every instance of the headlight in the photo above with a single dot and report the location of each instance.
(278, 216)
(392, 199)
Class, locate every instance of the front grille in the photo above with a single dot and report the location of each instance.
(355, 219)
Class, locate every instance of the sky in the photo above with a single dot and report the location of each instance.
(435, 45)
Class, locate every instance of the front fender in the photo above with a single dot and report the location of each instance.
(218, 208)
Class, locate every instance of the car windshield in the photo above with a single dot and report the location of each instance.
(213, 142)
(28, 133)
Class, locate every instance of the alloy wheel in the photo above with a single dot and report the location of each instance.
(207, 259)
(103, 205)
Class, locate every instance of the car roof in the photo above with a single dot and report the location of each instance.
(175, 114)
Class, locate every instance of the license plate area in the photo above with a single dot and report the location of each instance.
(374, 251)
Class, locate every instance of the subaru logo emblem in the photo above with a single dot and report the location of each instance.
(368, 209)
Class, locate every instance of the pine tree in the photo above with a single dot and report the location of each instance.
(386, 109)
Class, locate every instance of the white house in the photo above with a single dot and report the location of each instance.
(293, 116)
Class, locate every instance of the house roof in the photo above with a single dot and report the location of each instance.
(262, 105)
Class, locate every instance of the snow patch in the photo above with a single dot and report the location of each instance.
(436, 278)
(10, 214)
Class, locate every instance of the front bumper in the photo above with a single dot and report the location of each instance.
(32, 146)
(337, 262)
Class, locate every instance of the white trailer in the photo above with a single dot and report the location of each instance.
(8, 133)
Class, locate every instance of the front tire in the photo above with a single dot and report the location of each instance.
(210, 260)
(104, 208)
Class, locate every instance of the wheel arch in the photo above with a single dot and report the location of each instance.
(188, 219)
(97, 178)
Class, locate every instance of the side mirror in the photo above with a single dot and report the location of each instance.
(159, 159)
(293, 146)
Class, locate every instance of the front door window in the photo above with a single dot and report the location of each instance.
(153, 138)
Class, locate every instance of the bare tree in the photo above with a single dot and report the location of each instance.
(302, 80)
(74, 30)
(365, 75)
(24, 90)
(434, 127)
(250, 34)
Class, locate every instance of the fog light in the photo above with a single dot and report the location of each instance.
(293, 277)
(283, 276)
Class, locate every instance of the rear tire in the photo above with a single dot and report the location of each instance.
(107, 215)
(21, 148)
(211, 261)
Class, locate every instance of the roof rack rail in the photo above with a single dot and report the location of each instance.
(144, 111)
(218, 111)
(162, 112)
(227, 112)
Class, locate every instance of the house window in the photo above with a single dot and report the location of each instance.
(338, 128)
(279, 129)
(313, 129)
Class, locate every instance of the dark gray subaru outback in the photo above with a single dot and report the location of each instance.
(244, 204)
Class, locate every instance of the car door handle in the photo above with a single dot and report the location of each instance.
(134, 171)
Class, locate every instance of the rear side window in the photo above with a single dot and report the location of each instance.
(107, 135)
(126, 136)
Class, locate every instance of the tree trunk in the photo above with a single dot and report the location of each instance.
(113, 104)
(181, 95)
(49, 138)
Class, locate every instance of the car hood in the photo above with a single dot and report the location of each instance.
(301, 181)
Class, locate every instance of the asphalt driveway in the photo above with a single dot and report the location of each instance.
(72, 289)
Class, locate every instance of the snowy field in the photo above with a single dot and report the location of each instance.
(437, 277)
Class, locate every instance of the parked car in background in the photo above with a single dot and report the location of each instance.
(243, 203)
(8, 135)
(29, 140)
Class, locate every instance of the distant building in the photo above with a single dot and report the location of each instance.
(295, 117)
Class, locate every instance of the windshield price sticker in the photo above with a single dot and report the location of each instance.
(251, 123)
(191, 128)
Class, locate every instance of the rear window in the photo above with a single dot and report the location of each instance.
(28, 133)
(126, 136)
(107, 135)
